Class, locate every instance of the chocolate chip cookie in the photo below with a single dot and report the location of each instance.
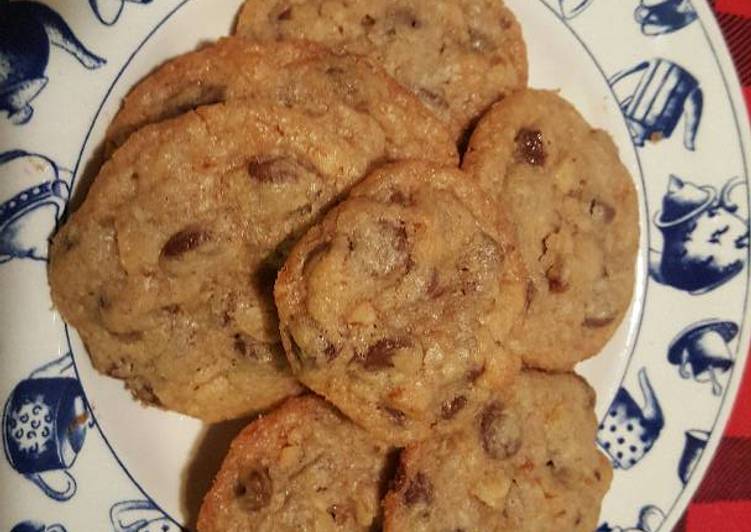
(458, 56)
(300, 75)
(167, 268)
(574, 207)
(302, 467)
(527, 462)
(397, 305)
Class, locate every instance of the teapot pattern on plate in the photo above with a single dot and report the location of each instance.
(650, 520)
(44, 427)
(705, 239)
(140, 516)
(36, 526)
(664, 93)
(702, 352)
(629, 431)
(33, 194)
(28, 30)
(655, 17)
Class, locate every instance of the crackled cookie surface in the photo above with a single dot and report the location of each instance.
(294, 74)
(574, 207)
(302, 467)
(397, 305)
(167, 268)
(458, 56)
(527, 462)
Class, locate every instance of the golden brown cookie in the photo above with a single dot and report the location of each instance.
(574, 207)
(300, 75)
(167, 269)
(458, 56)
(527, 462)
(397, 305)
(302, 467)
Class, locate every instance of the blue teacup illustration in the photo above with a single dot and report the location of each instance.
(33, 194)
(108, 11)
(629, 431)
(140, 516)
(650, 520)
(701, 351)
(705, 240)
(27, 32)
(657, 17)
(36, 526)
(696, 442)
(664, 92)
(44, 427)
(572, 8)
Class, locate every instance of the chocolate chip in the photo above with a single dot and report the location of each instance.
(475, 373)
(420, 490)
(379, 355)
(452, 407)
(594, 323)
(557, 284)
(367, 21)
(529, 295)
(253, 489)
(601, 211)
(530, 147)
(331, 352)
(396, 415)
(286, 14)
(184, 241)
(399, 198)
(500, 432)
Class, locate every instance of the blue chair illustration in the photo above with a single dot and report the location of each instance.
(33, 194)
(704, 238)
(701, 351)
(573, 8)
(44, 427)
(650, 520)
(629, 431)
(140, 516)
(109, 11)
(27, 32)
(693, 448)
(36, 526)
(657, 17)
(664, 92)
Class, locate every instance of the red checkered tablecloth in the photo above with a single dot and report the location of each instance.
(723, 501)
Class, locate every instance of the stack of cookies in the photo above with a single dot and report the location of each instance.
(281, 227)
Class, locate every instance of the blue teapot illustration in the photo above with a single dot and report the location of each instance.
(33, 194)
(140, 516)
(572, 8)
(696, 442)
(36, 526)
(27, 30)
(658, 17)
(629, 431)
(650, 520)
(44, 427)
(705, 240)
(108, 11)
(664, 92)
(701, 351)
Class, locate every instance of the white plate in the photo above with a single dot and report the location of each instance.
(654, 73)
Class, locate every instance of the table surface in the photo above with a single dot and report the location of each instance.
(723, 501)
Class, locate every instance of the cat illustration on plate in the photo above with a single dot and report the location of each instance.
(33, 194)
(705, 237)
(109, 11)
(28, 30)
